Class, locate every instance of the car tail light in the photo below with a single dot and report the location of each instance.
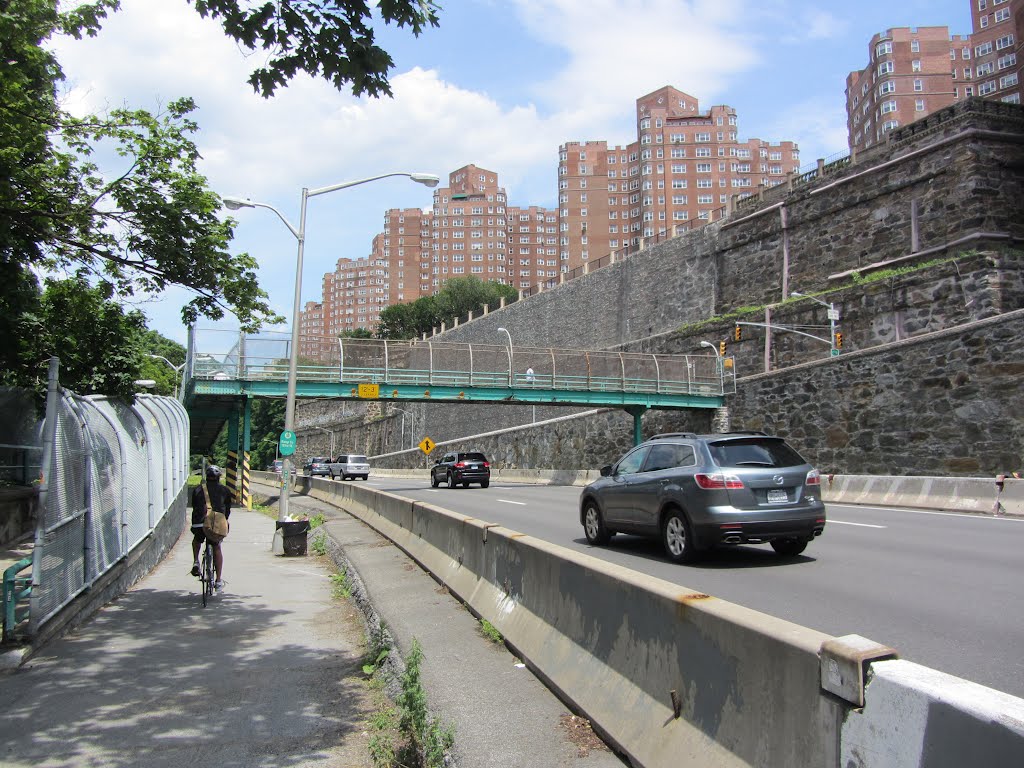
(814, 477)
(487, 465)
(718, 481)
(460, 465)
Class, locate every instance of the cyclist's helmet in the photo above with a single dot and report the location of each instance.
(213, 472)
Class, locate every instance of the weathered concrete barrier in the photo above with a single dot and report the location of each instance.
(675, 677)
(988, 495)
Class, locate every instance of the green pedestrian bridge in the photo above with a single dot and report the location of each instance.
(225, 369)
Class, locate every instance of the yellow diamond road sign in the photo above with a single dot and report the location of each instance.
(369, 391)
(426, 445)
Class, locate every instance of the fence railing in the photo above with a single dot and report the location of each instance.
(109, 473)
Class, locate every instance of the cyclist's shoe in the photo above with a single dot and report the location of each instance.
(195, 569)
(218, 585)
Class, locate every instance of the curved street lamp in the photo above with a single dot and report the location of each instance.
(178, 369)
(832, 314)
(234, 203)
(510, 369)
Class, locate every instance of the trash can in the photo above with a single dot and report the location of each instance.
(293, 537)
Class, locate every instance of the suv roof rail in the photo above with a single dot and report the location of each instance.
(746, 432)
(673, 434)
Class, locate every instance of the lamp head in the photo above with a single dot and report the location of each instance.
(146, 383)
(707, 344)
(795, 294)
(426, 179)
(234, 203)
(503, 329)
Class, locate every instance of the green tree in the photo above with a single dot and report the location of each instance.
(331, 39)
(99, 344)
(458, 297)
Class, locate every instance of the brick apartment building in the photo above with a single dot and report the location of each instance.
(914, 71)
(683, 167)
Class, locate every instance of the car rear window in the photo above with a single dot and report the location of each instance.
(320, 460)
(354, 459)
(472, 457)
(755, 452)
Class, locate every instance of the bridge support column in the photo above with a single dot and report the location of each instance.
(245, 496)
(637, 412)
(231, 470)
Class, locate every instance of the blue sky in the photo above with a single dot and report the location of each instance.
(501, 83)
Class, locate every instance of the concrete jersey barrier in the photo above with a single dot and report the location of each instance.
(675, 677)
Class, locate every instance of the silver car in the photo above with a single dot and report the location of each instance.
(695, 492)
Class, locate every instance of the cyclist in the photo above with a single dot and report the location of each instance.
(220, 497)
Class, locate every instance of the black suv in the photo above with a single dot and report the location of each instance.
(461, 467)
(695, 492)
(318, 465)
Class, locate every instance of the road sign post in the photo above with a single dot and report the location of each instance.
(287, 443)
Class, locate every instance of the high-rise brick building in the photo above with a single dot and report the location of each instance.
(914, 71)
(684, 166)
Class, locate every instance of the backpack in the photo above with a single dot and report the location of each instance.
(215, 524)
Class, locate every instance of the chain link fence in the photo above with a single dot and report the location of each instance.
(106, 474)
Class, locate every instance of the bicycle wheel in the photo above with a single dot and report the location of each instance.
(207, 575)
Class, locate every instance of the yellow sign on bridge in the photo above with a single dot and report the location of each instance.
(426, 445)
(369, 391)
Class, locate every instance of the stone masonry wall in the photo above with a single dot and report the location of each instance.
(957, 185)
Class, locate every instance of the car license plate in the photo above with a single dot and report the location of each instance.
(777, 497)
(473, 466)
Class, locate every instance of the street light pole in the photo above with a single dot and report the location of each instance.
(510, 369)
(412, 426)
(234, 203)
(833, 315)
(331, 433)
(178, 369)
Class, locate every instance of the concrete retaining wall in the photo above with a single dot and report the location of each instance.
(674, 677)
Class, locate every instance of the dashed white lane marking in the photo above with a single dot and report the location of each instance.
(859, 525)
(517, 503)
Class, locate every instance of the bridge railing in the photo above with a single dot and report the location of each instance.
(429, 363)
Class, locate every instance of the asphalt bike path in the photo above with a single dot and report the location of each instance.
(268, 675)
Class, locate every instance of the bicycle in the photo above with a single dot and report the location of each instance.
(207, 577)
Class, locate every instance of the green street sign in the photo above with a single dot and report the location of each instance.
(287, 443)
(835, 353)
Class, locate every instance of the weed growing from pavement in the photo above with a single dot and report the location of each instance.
(317, 520)
(426, 741)
(491, 632)
(319, 543)
(378, 650)
(342, 585)
(381, 750)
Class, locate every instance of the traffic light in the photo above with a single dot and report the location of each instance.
(738, 333)
(721, 348)
(839, 340)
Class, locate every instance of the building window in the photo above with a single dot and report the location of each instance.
(919, 85)
(1003, 42)
(919, 105)
(983, 49)
(915, 65)
(1008, 81)
(1007, 61)
(989, 86)
(885, 68)
(915, 46)
(889, 86)
(1013, 98)
(983, 69)
(888, 106)
(983, 21)
(1001, 15)
(883, 48)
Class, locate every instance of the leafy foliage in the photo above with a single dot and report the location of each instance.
(458, 297)
(332, 39)
(99, 344)
(426, 739)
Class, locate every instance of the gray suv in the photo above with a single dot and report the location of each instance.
(695, 492)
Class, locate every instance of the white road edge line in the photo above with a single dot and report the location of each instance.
(517, 503)
(859, 525)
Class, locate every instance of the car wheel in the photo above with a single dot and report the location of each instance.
(789, 547)
(366, 477)
(677, 538)
(465, 483)
(450, 480)
(484, 483)
(434, 482)
(593, 525)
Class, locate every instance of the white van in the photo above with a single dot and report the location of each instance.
(350, 465)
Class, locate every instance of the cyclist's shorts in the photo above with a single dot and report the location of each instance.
(198, 535)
